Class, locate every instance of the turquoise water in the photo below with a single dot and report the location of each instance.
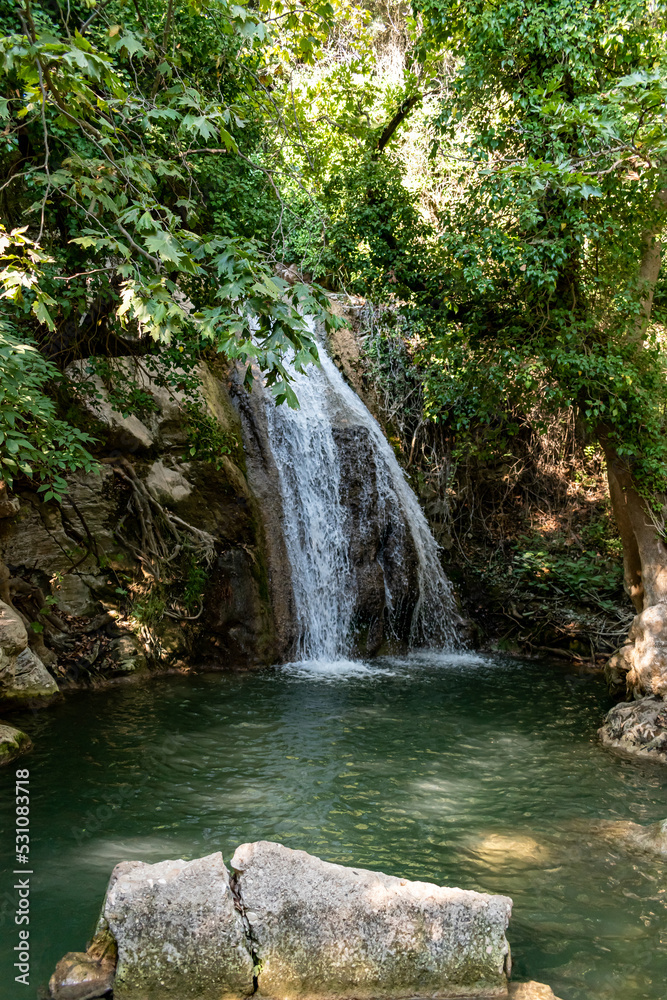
(477, 772)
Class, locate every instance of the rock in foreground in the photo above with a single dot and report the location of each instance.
(78, 977)
(287, 925)
(531, 991)
(321, 930)
(178, 932)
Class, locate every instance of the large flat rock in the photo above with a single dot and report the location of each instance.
(321, 930)
(178, 932)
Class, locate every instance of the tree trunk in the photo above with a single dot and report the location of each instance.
(641, 664)
(644, 551)
(643, 660)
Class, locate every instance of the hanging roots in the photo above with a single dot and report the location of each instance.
(164, 538)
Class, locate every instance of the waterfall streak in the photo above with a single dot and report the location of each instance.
(320, 522)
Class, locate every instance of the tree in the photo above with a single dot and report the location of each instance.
(556, 115)
(132, 135)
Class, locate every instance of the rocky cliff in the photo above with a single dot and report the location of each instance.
(165, 557)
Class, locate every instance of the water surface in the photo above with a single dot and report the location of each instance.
(484, 773)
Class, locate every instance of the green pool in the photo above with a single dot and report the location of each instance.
(480, 772)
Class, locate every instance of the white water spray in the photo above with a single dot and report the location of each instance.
(317, 522)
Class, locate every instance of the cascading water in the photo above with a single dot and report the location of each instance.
(320, 521)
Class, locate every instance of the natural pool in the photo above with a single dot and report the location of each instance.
(480, 772)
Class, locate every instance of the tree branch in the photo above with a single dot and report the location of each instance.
(404, 109)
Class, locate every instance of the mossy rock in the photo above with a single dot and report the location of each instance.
(13, 743)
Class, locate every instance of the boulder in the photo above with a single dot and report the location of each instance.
(178, 932)
(321, 930)
(639, 727)
(86, 975)
(288, 925)
(31, 679)
(78, 976)
(13, 743)
(23, 677)
(13, 636)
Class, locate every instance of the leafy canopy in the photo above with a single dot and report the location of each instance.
(111, 114)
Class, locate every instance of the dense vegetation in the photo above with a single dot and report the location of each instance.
(492, 177)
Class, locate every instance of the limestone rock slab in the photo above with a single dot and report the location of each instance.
(323, 931)
(178, 932)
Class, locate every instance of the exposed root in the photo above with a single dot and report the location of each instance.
(163, 537)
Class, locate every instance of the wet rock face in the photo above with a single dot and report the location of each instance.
(638, 727)
(178, 932)
(322, 930)
(264, 481)
(83, 552)
(238, 623)
(381, 552)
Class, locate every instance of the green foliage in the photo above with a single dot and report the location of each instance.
(584, 576)
(207, 441)
(34, 442)
(131, 171)
(555, 115)
(196, 578)
(515, 262)
(150, 608)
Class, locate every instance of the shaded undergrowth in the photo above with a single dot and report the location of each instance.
(526, 525)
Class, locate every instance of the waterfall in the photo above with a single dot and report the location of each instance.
(344, 496)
